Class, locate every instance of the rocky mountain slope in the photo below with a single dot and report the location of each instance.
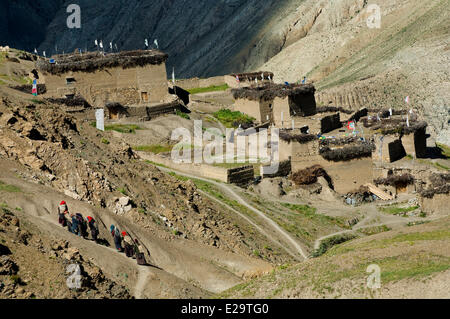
(356, 66)
(202, 37)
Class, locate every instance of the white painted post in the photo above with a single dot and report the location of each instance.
(100, 117)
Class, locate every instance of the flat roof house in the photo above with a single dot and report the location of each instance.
(276, 103)
(129, 77)
(248, 79)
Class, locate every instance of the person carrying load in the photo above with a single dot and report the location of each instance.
(115, 232)
(93, 227)
(62, 212)
(129, 244)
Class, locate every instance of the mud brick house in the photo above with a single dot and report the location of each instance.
(347, 161)
(248, 79)
(396, 141)
(128, 78)
(275, 103)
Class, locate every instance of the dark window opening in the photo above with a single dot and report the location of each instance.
(70, 80)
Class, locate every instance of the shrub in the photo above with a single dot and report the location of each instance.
(233, 119)
(183, 115)
(123, 128)
(326, 244)
(212, 88)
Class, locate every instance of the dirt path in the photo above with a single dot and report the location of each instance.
(360, 226)
(141, 282)
(262, 231)
(228, 189)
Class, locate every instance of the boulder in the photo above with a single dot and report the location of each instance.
(124, 201)
(8, 266)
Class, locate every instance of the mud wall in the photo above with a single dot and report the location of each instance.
(347, 175)
(119, 85)
(284, 169)
(249, 107)
(436, 205)
(281, 113)
(389, 148)
(415, 144)
(330, 123)
(194, 83)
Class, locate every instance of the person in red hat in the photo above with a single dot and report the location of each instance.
(93, 227)
(62, 212)
(129, 244)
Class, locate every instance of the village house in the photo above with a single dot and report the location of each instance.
(128, 78)
(238, 80)
(275, 103)
(346, 160)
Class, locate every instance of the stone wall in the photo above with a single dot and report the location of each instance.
(238, 176)
(436, 205)
(284, 169)
(241, 176)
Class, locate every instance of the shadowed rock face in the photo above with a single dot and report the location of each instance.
(23, 23)
(201, 37)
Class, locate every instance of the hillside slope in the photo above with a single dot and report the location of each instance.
(202, 38)
(414, 263)
(355, 66)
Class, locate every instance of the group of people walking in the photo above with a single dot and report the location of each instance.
(78, 225)
(132, 248)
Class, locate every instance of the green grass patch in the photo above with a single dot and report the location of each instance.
(123, 191)
(445, 149)
(394, 210)
(183, 115)
(212, 88)
(374, 230)
(311, 213)
(36, 101)
(155, 148)
(123, 128)
(9, 188)
(105, 141)
(232, 119)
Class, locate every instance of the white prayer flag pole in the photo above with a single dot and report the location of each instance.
(173, 76)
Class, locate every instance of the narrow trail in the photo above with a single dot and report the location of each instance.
(356, 228)
(141, 282)
(143, 271)
(241, 201)
(262, 231)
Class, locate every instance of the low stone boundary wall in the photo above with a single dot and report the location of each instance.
(239, 176)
